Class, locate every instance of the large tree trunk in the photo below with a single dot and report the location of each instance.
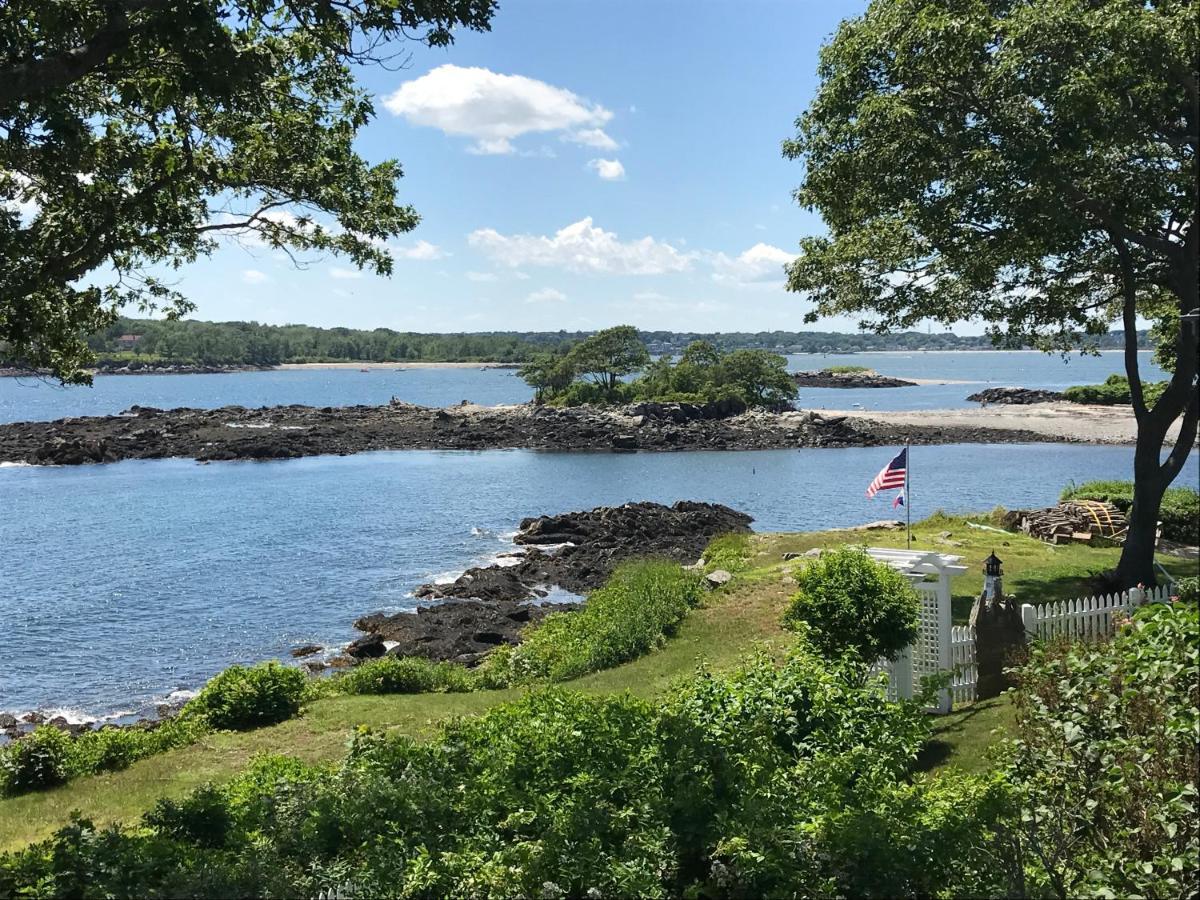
(1152, 475)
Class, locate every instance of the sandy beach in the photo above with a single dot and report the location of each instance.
(1067, 421)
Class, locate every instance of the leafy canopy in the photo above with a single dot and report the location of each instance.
(1003, 161)
(134, 132)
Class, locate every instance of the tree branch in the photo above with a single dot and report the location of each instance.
(36, 76)
(1129, 319)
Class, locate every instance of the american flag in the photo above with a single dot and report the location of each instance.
(891, 476)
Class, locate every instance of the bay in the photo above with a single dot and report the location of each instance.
(24, 399)
(120, 584)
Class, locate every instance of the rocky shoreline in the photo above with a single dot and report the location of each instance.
(289, 432)
(575, 552)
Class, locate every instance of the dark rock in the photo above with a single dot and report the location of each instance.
(1015, 395)
(827, 379)
(369, 647)
(33, 718)
(306, 650)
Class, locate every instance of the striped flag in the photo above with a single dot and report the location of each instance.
(892, 475)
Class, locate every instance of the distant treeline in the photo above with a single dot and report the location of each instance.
(249, 343)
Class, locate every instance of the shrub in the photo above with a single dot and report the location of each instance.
(640, 604)
(1114, 391)
(40, 759)
(730, 552)
(1104, 765)
(737, 784)
(1179, 512)
(847, 370)
(405, 675)
(1189, 590)
(853, 604)
(241, 697)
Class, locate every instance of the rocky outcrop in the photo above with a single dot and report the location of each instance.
(827, 379)
(1015, 395)
(287, 432)
(577, 551)
(489, 605)
(462, 631)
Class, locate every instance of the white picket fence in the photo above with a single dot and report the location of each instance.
(953, 649)
(1087, 618)
(963, 673)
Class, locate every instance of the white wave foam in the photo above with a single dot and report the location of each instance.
(248, 425)
(15, 465)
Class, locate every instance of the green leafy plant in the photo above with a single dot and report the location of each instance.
(851, 603)
(1104, 765)
(242, 697)
(1114, 391)
(846, 370)
(731, 552)
(640, 605)
(405, 675)
(40, 759)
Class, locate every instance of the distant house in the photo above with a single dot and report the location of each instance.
(128, 341)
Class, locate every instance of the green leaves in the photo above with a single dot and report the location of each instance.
(139, 131)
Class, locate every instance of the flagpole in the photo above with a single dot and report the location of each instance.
(907, 493)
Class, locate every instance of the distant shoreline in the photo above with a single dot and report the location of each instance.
(417, 364)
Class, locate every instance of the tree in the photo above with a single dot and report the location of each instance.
(609, 354)
(759, 376)
(547, 374)
(134, 132)
(1031, 165)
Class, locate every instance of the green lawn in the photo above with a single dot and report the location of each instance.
(745, 615)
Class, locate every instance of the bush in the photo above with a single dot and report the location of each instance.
(742, 784)
(1189, 590)
(640, 604)
(847, 370)
(1114, 391)
(1179, 512)
(730, 552)
(851, 603)
(1104, 765)
(405, 675)
(241, 697)
(40, 759)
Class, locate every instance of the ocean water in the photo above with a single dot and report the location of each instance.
(121, 584)
(23, 399)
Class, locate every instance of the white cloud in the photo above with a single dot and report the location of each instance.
(591, 137)
(608, 169)
(253, 276)
(581, 247)
(762, 262)
(344, 274)
(648, 295)
(494, 109)
(420, 250)
(546, 295)
(482, 276)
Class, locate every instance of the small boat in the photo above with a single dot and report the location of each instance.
(364, 370)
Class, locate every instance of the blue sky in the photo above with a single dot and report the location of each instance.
(582, 165)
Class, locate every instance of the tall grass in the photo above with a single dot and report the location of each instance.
(641, 605)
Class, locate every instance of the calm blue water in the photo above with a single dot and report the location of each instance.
(122, 583)
(33, 400)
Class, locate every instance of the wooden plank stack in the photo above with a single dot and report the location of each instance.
(1075, 520)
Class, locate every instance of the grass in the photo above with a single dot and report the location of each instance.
(731, 623)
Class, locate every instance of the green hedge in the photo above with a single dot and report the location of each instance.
(848, 602)
(639, 606)
(1179, 513)
(247, 697)
(1114, 391)
(405, 675)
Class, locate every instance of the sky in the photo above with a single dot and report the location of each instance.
(580, 166)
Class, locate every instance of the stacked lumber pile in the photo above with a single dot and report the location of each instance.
(1075, 520)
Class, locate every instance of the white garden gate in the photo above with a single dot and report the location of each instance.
(932, 651)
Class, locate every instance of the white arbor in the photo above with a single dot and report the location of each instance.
(930, 573)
